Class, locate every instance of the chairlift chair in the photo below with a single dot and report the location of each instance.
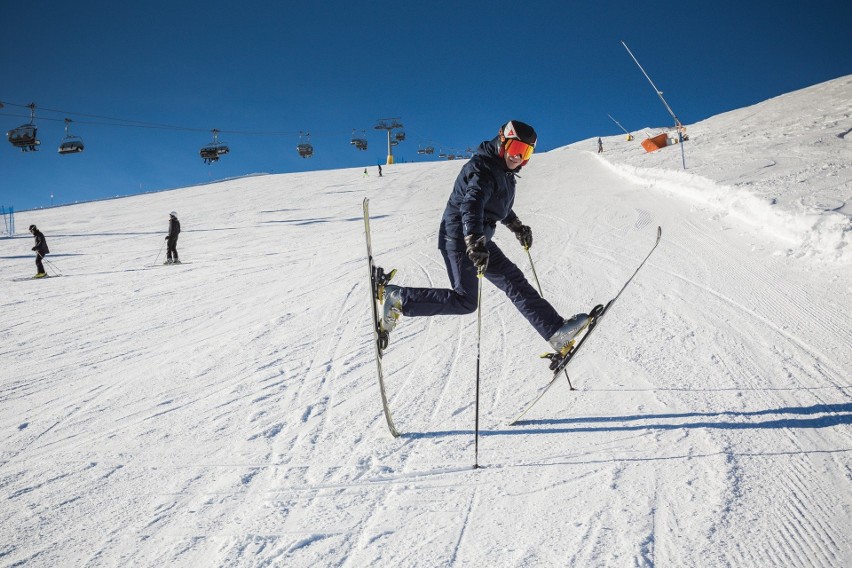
(305, 149)
(359, 143)
(70, 144)
(209, 154)
(24, 136)
(213, 151)
(400, 136)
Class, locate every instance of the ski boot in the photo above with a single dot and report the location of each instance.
(563, 340)
(41, 275)
(389, 304)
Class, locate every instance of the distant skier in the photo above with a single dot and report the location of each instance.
(483, 194)
(380, 170)
(172, 237)
(40, 249)
(365, 173)
(600, 145)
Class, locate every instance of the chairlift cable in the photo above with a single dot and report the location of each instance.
(103, 120)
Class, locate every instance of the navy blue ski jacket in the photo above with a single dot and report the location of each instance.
(483, 194)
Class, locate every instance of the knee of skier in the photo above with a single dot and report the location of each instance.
(467, 304)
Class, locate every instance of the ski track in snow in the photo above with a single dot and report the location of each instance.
(225, 412)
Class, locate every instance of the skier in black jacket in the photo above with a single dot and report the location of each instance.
(482, 196)
(40, 249)
(172, 237)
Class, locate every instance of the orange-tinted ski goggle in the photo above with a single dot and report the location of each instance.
(513, 147)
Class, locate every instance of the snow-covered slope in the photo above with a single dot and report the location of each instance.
(784, 165)
(225, 412)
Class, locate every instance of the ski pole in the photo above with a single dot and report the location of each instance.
(479, 274)
(540, 293)
(52, 266)
(159, 253)
(537, 283)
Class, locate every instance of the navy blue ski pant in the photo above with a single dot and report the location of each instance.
(461, 299)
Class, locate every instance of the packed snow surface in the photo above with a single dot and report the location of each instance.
(225, 412)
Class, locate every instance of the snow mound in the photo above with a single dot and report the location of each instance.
(809, 232)
(783, 164)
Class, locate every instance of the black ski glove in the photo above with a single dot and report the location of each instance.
(167, 237)
(477, 251)
(522, 232)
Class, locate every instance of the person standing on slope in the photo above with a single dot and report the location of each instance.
(40, 249)
(483, 195)
(172, 237)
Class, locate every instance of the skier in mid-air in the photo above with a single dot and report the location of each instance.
(482, 196)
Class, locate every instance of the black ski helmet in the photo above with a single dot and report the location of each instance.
(33, 228)
(517, 130)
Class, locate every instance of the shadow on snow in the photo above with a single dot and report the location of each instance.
(797, 417)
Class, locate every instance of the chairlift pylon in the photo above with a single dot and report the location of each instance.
(70, 144)
(211, 152)
(24, 136)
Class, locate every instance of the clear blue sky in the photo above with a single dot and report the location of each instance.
(451, 71)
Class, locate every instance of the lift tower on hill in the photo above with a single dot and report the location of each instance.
(391, 124)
